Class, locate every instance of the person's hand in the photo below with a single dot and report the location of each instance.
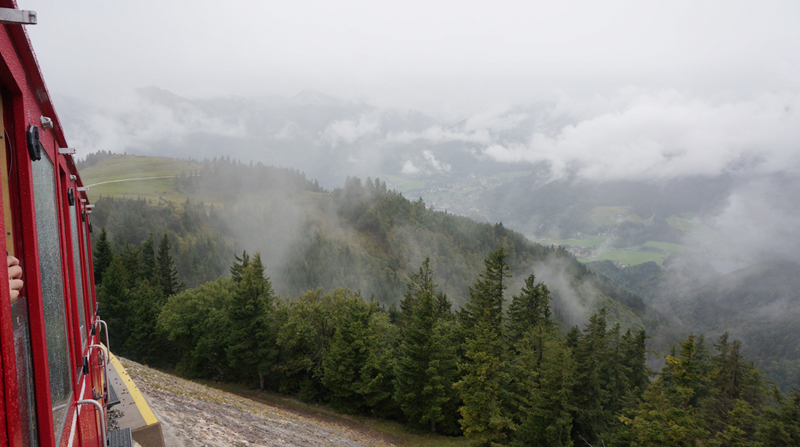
(14, 277)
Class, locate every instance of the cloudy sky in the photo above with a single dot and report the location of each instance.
(444, 56)
(651, 89)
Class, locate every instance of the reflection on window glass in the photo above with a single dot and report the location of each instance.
(87, 264)
(26, 395)
(44, 191)
(76, 256)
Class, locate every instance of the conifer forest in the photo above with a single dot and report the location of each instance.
(460, 337)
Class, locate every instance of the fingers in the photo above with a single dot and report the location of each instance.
(14, 277)
(15, 272)
(15, 285)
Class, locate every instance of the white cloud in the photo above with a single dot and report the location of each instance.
(409, 168)
(136, 122)
(348, 131)
(668, 134)
(762, 217)
(434, 163)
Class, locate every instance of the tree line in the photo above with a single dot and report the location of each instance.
(362, 236)
(502, 372)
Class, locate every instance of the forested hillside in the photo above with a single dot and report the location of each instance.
(498, 371)
(361, 236)
(374, 304)
(759, 305)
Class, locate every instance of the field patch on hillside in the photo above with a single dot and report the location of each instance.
(627, 257)
(402, 184)
(612, 215)
(135, 176)
(684, 222)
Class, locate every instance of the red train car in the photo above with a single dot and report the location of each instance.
(54, 367)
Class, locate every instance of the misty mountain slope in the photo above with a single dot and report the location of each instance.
(361, 236)
(759, 305)
(564, 207)
(393, 235)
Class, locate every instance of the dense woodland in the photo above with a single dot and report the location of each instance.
(759, 305)
(360, 314)
(362, 236)
(500, 373)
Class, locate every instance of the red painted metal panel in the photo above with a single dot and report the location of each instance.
(26, 99)
(3, 425)
(14, 78)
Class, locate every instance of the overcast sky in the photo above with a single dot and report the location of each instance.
(441, 56)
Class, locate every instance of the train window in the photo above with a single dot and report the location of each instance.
(19, 306)
(87, 263)
(52, 279)
(76, 257)
(27, 398)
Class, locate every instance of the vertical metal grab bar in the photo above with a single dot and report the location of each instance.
(99, 408)
(105, 327)
(105, 368)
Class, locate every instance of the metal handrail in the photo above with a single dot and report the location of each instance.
(105, 369)
(105, 326)
(99, 407)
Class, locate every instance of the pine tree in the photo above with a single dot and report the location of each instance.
(668, 414)
(252, 335)
(545, 379)
(781, 422)
(634, 355)
(167, 273)
(528, 309)
(239, 266)
(130, 261)
(736, 389)
(376, 381)
(485, 413)
(145, 342)
(112, 298)
(347, 355)
(426, 366)
(147, 259)
(590, 396)
(102, 256)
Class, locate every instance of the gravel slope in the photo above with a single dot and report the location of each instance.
(193, 415)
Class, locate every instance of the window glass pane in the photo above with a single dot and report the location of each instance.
(87, 265)
(76, 256)
(22, 346)
(44, 191)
